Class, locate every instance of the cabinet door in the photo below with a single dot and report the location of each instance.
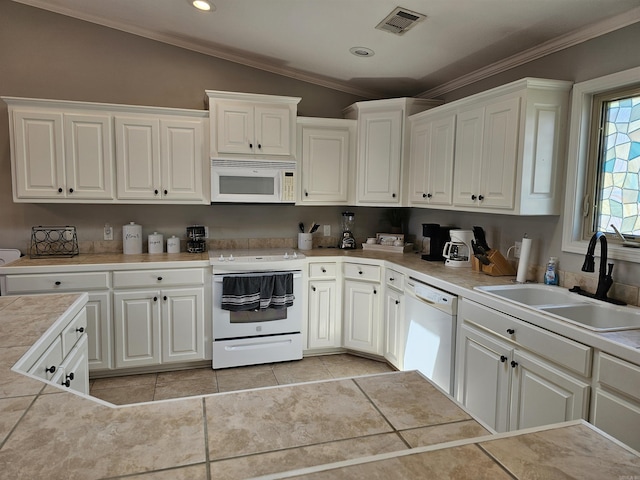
(618, 416)
(234, 127)
(419, 161)
(362, 316)
(138, 158)
(379, 153)
(432, 169)
(89, 156)
(182, 159)
(137, 328)
(499, 154)
(468, 156)
(38, 155)
(394, 329)
(542, 394)
(99, 331)
(483, 377)
(272, 130)
(325, 162)
(324, 330)
(182, 324)
(75, 368)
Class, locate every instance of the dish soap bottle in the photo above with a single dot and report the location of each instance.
(551, 274)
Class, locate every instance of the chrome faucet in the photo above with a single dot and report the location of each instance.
(604, 276)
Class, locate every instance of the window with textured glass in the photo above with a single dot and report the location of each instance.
(615, 163)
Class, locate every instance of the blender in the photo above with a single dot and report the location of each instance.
(347, 241)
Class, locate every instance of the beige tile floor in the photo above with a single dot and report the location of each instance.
(203, 381)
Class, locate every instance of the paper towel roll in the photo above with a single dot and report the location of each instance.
(131, 239)
(525, 253)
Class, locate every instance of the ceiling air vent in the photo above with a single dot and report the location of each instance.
(400, 20)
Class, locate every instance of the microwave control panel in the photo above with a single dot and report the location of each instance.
(288, 187)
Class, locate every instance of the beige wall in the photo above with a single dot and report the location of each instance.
(44, 55)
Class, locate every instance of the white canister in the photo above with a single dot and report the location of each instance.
(173, 244)
(156, 243)
(132, 239)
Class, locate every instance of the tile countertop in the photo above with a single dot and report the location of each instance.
(46, 432)
(459, 281)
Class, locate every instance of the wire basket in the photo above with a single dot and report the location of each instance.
(53, 242)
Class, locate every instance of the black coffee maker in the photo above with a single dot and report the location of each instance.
(434, 238)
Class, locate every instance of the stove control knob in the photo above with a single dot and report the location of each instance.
(221, 258)
(286, 256)
(231, 259)
(295, 255)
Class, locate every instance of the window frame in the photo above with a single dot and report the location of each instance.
(580, 143)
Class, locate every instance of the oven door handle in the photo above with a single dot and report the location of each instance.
(217, 278)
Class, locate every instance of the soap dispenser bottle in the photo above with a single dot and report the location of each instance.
(551, 273)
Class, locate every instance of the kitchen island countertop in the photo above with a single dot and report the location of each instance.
(48, 433)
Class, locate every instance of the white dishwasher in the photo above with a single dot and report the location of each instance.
(430, 316)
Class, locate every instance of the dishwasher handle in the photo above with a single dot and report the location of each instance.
(432, 296)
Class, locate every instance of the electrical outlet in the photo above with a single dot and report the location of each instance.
(516, 251)
(108, 232)
(326, 230)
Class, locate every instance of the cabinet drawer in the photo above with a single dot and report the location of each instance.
(567, 353)
(394, 279)
(158, 278)
(49, 362)
(619, 375)
(322, 270)
(73, 332)
(53, 282)
(362, 272)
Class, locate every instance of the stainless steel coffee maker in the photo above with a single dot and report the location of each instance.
(196, 239)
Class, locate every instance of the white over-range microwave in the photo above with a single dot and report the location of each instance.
(253, 181)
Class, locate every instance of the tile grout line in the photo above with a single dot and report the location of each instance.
(395, 430)
(207, 457)
(26, 410)
(495, 460)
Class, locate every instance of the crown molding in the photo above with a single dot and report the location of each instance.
(560, 43)
(552, 46)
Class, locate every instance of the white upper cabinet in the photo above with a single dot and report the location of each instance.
(383, 146)
(431, 157)
(252, 124)
(79, 152)
(60, 154)
(161, 158)
(326, 153)
(508, 143)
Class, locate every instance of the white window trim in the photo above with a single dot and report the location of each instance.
(578, 149)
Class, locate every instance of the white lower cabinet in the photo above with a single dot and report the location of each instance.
(361, 308)
(323, 327)
(508, 387)
(158, 326)
(74, 371)
(394, 324)
(615, 404)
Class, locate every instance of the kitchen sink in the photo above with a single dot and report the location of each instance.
(534, 295)
(601, 318)
(567, 306)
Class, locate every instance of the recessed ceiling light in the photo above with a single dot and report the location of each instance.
(203, 5)
(362, 51)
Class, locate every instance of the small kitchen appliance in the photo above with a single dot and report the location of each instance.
(434, 238)
(196, 241)
(347, 241)
(457, 252)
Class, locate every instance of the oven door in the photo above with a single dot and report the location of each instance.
(229, 325)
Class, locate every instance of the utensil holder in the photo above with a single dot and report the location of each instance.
(499, 265)
(305, 241)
